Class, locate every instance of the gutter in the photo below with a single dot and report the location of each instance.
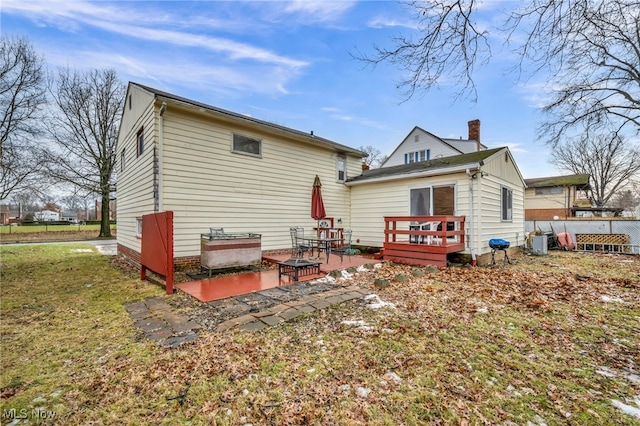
(424, 173)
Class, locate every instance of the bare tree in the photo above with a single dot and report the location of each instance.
(589, 48)
(22, 94)
(85, 130)
(375, 157)
(625, 199)
(606, 159)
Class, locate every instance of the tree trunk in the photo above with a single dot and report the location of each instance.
(105, 227)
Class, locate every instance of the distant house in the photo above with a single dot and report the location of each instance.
(556, 197)
(46, 216)
(4, 214)
(420, 145)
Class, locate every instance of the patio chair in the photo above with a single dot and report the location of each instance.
(430, 226)
(298, 245)
(345, 248)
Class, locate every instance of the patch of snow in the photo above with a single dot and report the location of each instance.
(633, 378)
(81, 251)
(363, 392)
(346, 275)
(483, 310)
(361, 268)
(611, 299)
(539, 421)
(392, 377)
(374, 302)
(606, 372)
(628, 409)
(245, 392)
(311, 370)
(344, 388)
(357, 323)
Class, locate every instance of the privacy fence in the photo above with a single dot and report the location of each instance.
(594, 234)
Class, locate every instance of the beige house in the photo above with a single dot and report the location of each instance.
(484, 186)
(556, 197)
(216, 168)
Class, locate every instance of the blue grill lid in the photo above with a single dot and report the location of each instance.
(498, 242)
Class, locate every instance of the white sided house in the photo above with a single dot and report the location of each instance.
(216, 168)
(485, 187)
(420, 145)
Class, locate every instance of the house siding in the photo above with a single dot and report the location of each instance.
(135, 184)
(371, 202)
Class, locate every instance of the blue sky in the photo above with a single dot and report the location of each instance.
(288, 62)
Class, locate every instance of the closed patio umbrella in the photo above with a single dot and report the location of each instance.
(317, 205)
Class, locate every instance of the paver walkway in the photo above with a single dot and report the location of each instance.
(158, 321)
(251, 312)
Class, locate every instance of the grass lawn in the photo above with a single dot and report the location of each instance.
(44, 233)
(549, 340)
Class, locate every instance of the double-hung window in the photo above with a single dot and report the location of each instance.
(341, 166)
(507, 204)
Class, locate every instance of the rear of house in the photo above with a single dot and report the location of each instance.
(486, 187)
(216, 168)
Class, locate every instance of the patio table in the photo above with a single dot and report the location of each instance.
(326, 243)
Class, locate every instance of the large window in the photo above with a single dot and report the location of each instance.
(341, 166)
(420, 202)
(507, 204)
(246, 145)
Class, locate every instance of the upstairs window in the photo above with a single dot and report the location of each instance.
(246, 145)
(342, 167)
(507, 204)
(415, 156)
(140, 142)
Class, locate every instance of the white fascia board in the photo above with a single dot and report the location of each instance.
(425, 173)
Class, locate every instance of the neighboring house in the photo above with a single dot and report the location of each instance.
(46, 216)
(69, 216)
(420, 145)
(556, 197)
(485, 186)
(217, 168)
(4, 214)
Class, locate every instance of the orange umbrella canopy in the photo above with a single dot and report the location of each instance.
(317, 205)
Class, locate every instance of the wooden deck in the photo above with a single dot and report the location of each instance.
(416, 240)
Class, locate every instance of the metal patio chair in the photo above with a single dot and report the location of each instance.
(345, 248)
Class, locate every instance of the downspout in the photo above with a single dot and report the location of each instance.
(472, 246)
(163, 108)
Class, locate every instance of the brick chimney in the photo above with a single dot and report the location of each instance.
(474, 132)
(365, 166)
